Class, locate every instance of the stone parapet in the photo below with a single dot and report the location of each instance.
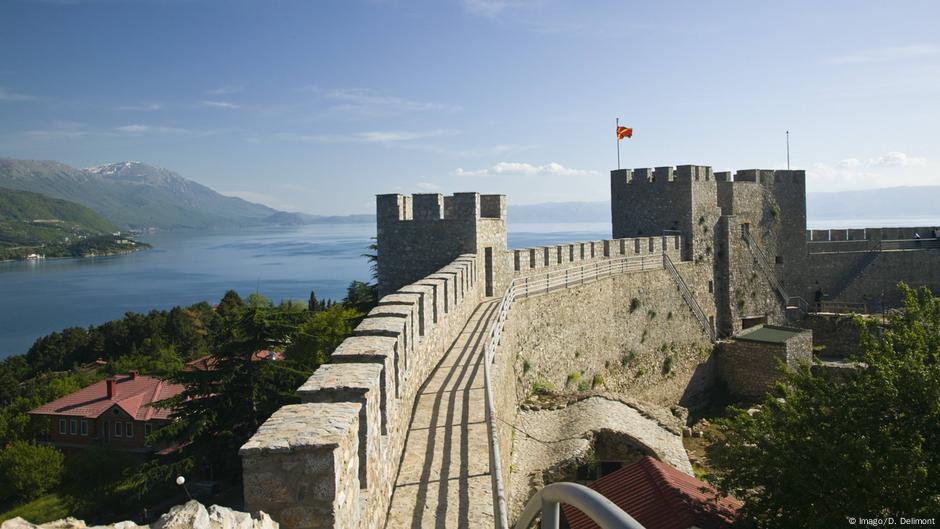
(526, 261)
(378, 371)
(301, 466)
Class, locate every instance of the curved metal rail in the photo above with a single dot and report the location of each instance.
(548, 501)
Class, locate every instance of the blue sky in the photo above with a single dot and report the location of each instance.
(317, 105)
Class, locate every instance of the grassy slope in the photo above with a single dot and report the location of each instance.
(25, 206)
(43, 509)
(87, 232)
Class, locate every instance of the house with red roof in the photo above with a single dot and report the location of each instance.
(660, 497)
(117, 412)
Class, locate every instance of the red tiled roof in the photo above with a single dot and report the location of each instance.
(133, 395)
(207, 363)
(660, 497)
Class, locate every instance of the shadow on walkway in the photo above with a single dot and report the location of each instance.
(444, 476)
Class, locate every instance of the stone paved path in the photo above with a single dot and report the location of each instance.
(444, 477)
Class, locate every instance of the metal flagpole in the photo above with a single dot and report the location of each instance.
(788, 150)
(617, 134)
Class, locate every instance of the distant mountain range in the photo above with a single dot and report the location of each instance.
(875, 204)
(137, 195)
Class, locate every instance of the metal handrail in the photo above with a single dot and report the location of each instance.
(798, 302)
(594, 505)
(844, 307)
(689, 298)
(761, 259)
(527, 287)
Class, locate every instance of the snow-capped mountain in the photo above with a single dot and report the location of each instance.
(134, 194)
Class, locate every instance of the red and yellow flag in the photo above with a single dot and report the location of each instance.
(624, 132)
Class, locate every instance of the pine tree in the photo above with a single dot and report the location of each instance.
(312, 304)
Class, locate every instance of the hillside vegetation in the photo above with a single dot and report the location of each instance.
(34, 223)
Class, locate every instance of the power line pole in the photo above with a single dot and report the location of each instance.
(788, 150)
(617, 135)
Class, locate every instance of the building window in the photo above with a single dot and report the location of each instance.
(62, 427)
(711, 286)
(73, 426)
(778, 259)
(745, 229)
(85, 428)
(128, 429)
(118, 427)
(148, 428)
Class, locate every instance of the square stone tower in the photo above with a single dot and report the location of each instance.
(420, 234)
(649, 202)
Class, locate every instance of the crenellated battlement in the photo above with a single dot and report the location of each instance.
(764, 176)
(418, 234)
(438, 207)
(350, 429)
(537, 259)
(704, 173)
(667, 174)
(725, 246)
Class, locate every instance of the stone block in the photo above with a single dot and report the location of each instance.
(358, 383)
(301, 466)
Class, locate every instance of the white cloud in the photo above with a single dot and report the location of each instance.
(490, 8)
(141, 108)
(6, 95)
(364, 102)
(219, 104)
(386, 137)
(226, 90)
(890, 170)
(892, 159)
(427, 186)
(138, 128)
(526, 169)
(893, 53)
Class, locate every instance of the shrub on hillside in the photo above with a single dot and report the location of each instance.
(29, 470)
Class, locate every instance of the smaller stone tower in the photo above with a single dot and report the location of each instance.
(420, 234)
(650, 202)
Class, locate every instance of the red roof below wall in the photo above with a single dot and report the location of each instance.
(134, 395)
(660, 497)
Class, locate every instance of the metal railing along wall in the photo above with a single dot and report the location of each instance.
(843, 307)
(525, 287)
(602, 511)
(763, 263)
(689, 299)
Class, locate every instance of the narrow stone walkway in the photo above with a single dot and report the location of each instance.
(444, 477)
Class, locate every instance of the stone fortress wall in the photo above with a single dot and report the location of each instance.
(864, 265)
(734, 249)
(331, 461)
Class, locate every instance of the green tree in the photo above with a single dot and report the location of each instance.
(821, 450)
(373, 258)
(221, 408)
(312, 304)
(315, 339)
(361, 296)
(29, 470)
(231, 303)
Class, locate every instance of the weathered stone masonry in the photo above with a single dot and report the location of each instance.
(741, 252)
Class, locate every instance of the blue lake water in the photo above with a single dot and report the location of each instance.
(37, 298)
